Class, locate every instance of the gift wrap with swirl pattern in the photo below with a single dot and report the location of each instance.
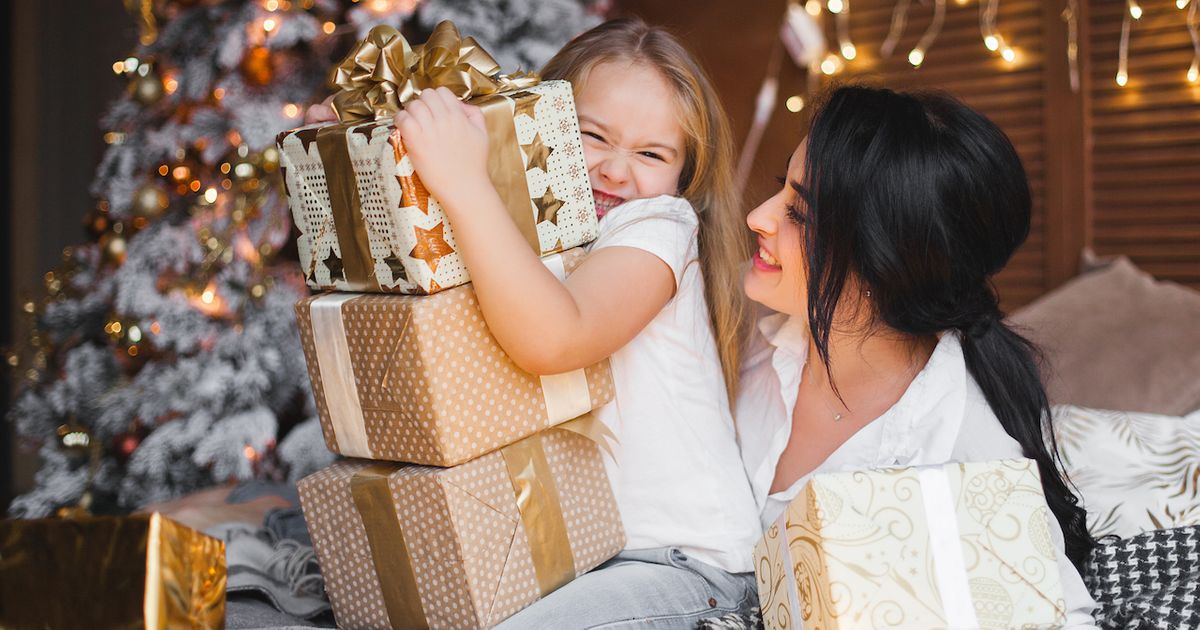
(960, 545)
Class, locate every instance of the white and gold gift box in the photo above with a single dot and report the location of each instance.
(960, 545)
(366, 221)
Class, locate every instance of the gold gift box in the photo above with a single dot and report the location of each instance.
(142, 571)
(406, 546)
(420, 379)
(366, 221)
(959, 545)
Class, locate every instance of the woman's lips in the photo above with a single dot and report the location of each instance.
(764, 261)
(605, 202)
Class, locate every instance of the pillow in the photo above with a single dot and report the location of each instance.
(1116, 338)
(1134, 472)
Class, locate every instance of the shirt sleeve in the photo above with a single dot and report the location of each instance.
(664, 226)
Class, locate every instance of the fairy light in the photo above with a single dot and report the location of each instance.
(991, 42)
(135, 334)
(813, 7)
(835, 6)
(170, 84)
(917, 55)
(1193, 26)
(842, 21)
(1123, 50)
(1135, 10)
(210, 195)
(219, 93)
(271, 5)
(328, 28)
(899, 19)
(268, 24)
(831, 64)
(1181, 4)
(794, 103)
(291, 110)
(1008, 54)
(118, 67)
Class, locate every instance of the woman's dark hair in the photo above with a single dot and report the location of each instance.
(922, 200)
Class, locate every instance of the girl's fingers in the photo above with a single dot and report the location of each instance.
(432, 100)
(405, 123)
(419, 110)
(474, 116)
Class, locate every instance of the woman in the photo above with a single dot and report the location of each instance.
(887, 346)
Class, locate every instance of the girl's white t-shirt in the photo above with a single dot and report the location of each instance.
(678, 475)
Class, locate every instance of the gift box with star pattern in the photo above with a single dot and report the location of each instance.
(367, 224)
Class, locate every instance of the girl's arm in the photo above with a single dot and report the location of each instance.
(544, 325)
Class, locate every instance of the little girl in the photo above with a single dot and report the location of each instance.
(658, 292)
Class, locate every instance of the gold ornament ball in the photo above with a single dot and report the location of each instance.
(150, 201)
(147, 89)
(257, 66)
(113, 246)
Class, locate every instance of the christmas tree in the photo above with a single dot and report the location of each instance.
(163, 357)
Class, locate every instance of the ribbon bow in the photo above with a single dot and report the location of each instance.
(384, 72)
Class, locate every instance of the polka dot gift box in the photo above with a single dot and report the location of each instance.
(367, 223)
(405, 546)
(420, 379)
(950, 546)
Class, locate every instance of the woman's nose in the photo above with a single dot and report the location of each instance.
(762, 219)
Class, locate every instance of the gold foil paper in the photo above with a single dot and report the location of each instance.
(854, 550)
(482, 540)
(110, 572)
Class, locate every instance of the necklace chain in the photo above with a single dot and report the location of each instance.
(837, 417)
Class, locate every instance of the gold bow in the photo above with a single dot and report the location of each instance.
(384, 72)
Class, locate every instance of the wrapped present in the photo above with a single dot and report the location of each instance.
(366, 221)
(107, 572)
(420, 379)
(958, 546)
(406, 546)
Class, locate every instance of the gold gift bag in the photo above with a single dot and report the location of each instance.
(420, 379)
(404, 546)
(367, 223)
(142, 571)
(956, 545)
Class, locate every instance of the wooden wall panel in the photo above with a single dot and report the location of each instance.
(1146, 141)
(1012, 94)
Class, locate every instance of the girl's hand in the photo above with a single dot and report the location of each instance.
(321, 112)
(447, 142)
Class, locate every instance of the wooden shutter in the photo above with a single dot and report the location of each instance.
(1146, 141)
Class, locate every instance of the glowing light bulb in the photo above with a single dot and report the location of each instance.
(1008, 54)
(835, 6)
(849, 51)
(207, 296)
(291, 110)
(329, 28)
(992, 43)
(813, 7)
(1193, 74)
(795, 104)
(1181, 4)
(268, 25)
(1122, 78)
(1135, 11)
(916, 57)
(210, 195)
(829, 65)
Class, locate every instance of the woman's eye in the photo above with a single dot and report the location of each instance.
(795, 215)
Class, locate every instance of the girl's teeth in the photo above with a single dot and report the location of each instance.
(767, 257)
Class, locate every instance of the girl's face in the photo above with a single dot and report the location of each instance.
(632, 140)
(778, 278)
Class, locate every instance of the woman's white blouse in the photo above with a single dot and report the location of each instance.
(941, 417)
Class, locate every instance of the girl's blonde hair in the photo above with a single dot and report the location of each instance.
(707, 177)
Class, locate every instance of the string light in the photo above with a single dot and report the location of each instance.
(1193, 26)
(813, 7)
(1181, 4)
(268, 25)
(794, 103)
(1135, 11)
(831, 65)
(1123, 50)
(917, 55)
(842, 20)
(835, 6)
(328, 28)
(291, 110)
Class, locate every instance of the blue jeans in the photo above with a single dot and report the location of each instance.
(646, 588)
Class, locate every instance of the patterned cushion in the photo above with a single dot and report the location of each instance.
(1149, 581)
(1136, 472)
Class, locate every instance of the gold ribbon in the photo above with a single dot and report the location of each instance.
(389, 552)
(358, 266)
(537, 501)
(377, 78)
(384, 72)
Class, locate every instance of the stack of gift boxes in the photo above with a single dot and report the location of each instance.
(473, 488)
